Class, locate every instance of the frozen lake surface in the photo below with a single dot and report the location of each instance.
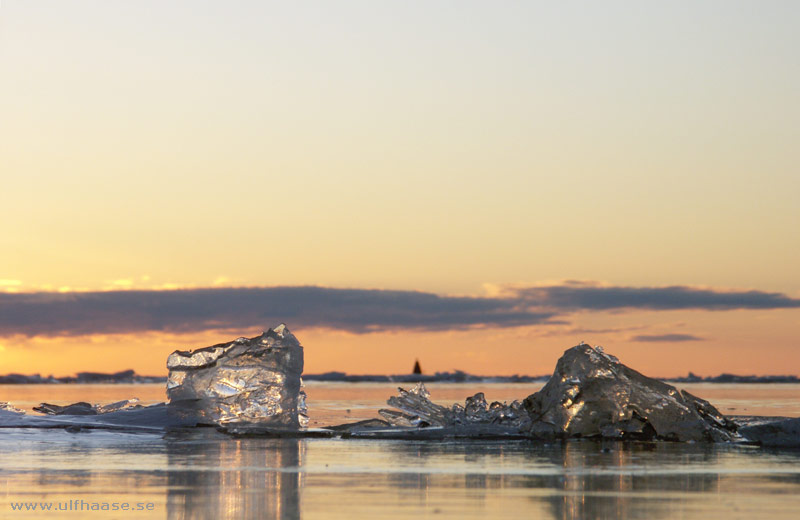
(204, 474)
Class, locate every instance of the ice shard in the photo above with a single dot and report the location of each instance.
(416, 409)
(83, 408)
(592, 394)
(247, 381)
(776, 432)
(8, 407)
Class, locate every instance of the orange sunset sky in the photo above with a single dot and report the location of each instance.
(478, 185)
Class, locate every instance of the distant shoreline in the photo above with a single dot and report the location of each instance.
(131, 377)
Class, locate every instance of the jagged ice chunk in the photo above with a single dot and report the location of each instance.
(248, 381)
(592, 394)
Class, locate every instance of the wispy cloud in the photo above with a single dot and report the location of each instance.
(354, 310)
(666, 338)
(570, 330)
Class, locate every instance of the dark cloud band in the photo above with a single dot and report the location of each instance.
(355, 310)
(582, 297)
(666, 338)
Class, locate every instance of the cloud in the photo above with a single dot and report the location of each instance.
(597, 298)
(354, 310)
(572, 331)
(666, 338)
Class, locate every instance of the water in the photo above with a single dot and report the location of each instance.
(204, 474)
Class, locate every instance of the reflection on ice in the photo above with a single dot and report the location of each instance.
(243, 478)
(200, 473)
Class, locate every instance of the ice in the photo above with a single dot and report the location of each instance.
(416, 409)
(592, 394)
(126, 404)
(253, 387)
(83, 408)
(477, 410)
(154, 418)
(8, 407)
(246, 381)
(778, 432)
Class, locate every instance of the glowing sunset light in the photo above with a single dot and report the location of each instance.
(479, 187)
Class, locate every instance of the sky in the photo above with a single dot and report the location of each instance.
(476, 185)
